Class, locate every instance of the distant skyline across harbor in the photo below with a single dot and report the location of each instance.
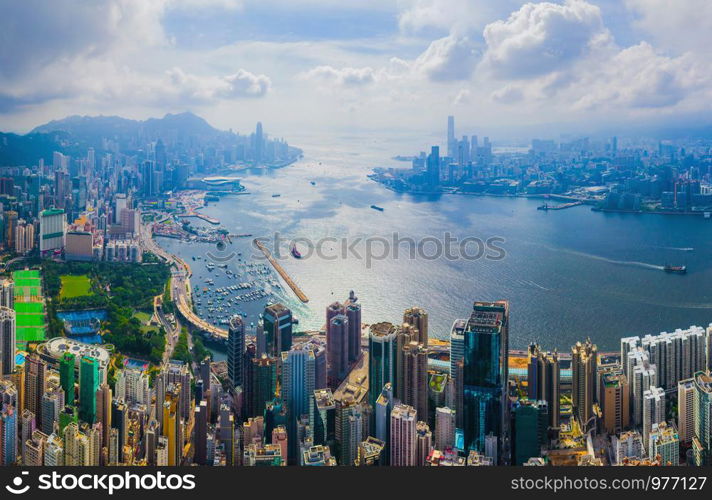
(510, 68)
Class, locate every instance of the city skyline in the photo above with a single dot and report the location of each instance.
(492, 250)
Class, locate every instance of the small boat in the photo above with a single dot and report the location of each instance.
(276, 195)
(376, 207)
(295, 252)
(675, 269)
(313, 183)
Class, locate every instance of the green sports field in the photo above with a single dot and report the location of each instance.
(75, 286)
(29, 307)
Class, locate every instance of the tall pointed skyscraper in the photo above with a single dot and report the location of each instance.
(486, 408)
(7, 341)
(584, 362)
(353, 313)
(236, 351)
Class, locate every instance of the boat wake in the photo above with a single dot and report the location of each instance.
(679, 249)
(628, 263)
(535, 285)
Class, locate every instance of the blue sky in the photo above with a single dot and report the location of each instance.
(321, 65)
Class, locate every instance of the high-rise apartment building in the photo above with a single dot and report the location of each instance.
(584, 362)
(653, 410)
(403, 436)
(8, 338)
(418, 319)
(236, 351)
(686, 410)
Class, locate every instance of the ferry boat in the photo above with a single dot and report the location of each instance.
(376, 207)
(675, 269)
(295, 252)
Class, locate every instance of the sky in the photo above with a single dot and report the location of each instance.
(382, 66)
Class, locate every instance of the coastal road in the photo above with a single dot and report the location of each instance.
(180, 283)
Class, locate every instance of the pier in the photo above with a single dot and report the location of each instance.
(562, 206)
(277, 267)
(204, 217)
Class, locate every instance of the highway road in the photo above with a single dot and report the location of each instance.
(180, 283)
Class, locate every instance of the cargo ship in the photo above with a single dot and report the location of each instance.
(375, 207)
(675, 269)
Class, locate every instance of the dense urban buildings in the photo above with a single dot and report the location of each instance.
(89, 378)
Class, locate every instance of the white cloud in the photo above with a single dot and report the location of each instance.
(509, 94)
(639, 77)
(452, 16)
(544, 37)
(448, 58)
(680, 25)
(193, 88)
(345, 77)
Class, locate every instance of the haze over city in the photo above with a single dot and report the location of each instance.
(515, 69)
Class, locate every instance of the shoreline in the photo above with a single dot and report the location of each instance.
(560, 197)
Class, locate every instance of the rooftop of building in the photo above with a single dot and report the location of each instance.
(57, 346)
(355, 387)
(703, 380)
(324, 399)
(382, 330)
(488, 316)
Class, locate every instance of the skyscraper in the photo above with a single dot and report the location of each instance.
(444, 428)
(414, 390)
(88, 385)
(277, 325)
(665, 443)
(7, 341)
(263, 374)
(67, 365)
(8, 435)
(530, 421)
(322, 417)
(337, 344)
(584, 362)
(353, 313)
(381, 358)
(298, 371)
(53, 226)
(686, 410)
(485, 372)
(433, 167)
(403, 436)
(235, 351)
(35, 385)
(702, 443)
(418, 319)
(201, 433)
(423, 443)
(615, 402)
(259, 144)
(451, 141)
(457, 345)
(653, 410)
(544, 379)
